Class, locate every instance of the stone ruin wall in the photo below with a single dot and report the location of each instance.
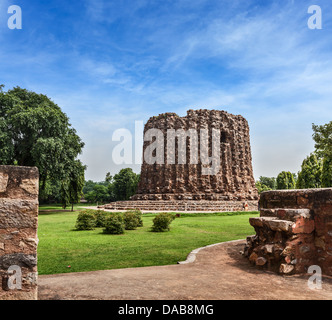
(18, 232)
(293, 232)
(185, 182)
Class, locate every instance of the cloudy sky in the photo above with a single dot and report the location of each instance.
(109, 63)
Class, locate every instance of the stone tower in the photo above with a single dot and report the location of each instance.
(190, 144)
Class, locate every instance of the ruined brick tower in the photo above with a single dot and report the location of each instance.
(184, 179)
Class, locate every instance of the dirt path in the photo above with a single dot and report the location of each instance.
(219, 272)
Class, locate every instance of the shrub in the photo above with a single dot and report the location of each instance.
(138, 214)
(114, 224)
(162, 221)
(131, 220)
(100, 217)
(85, 220)
(139, 217)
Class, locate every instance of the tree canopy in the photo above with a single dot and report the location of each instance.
(323, 144)
(310, 175)
(120, 187)
(285, 180)
(35, 132)
(125, 184)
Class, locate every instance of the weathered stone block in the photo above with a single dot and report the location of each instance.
(3, 181)
(18, 231)
(17, 213)
(299, 224)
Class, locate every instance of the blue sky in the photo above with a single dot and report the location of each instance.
(109, 63)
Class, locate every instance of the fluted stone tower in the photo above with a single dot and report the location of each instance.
(191, 144)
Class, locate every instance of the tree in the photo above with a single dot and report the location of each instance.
(108, 177)
(285, 180)
(262, 187)
(310, 175)
(88, 186)
(269, 182)
(35, 132)
(98, 194)
(125, 184)
(323, 144)
(72, 185)
(323, 139)
(266, 184)
(327, 172)
(51, 192)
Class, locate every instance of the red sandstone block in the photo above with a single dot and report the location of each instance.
(303, 225)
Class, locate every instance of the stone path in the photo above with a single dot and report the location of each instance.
(219, 272)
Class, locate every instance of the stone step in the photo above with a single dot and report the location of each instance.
(287, 214)
(297, 223)
(169, 205)
(272, 223)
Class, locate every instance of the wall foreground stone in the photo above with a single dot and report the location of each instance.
(293, 232)
(18, 232)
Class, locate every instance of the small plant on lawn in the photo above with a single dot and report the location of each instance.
(139, 217)
(162, 222)
(85, 220)
(114, 224)
(138, 214)
(100, 218)
(131, 220)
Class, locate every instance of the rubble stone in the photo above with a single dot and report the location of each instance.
(294, 230)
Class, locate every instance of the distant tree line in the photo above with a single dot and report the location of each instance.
(119, 187)
(316, 169)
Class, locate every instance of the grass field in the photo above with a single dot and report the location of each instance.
(60, 246)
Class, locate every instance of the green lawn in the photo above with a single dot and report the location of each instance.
(61, 246)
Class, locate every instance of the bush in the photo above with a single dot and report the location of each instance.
(139, 217)
(162, 221)
(131, 220)
(85, 220)
(114, 224)
(138, 214)
(100, 218)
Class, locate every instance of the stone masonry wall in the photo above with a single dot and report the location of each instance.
(293, 232)
(177, 181)
(183, 205)
(18, 232)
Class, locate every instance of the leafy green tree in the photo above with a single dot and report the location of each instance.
(327, 172)
(323, 139)
(262, 187)
(108, 177)
(125, 184)
(269, 182)
(72, 186)
(323, 144)
(285, 180)
(98, 194)
(51, 192)
(310, 175)
(35, 132)
(88, 186)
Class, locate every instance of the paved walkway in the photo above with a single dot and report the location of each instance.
(218, 272)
